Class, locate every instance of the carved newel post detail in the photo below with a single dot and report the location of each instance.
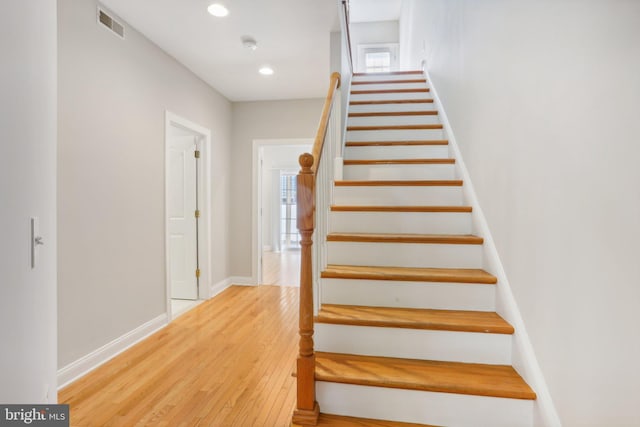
(307, 410)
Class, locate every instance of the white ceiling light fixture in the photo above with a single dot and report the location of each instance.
(266, 70)
(218, 10)
(249, 43)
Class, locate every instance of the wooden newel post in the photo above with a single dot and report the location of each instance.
(307, 410)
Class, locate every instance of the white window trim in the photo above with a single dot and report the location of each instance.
(362, 49)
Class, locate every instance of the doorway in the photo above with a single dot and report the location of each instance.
(276, 240)
(187, 216)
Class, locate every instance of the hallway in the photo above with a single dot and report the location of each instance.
(281, 268)
(227, 362)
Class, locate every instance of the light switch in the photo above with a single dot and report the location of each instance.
(36, 240)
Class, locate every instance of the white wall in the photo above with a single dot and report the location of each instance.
(374, 32)
(543, 97)
(27, 188)
(112, 102)
(366, 33)
(341, 63)
(260, 120)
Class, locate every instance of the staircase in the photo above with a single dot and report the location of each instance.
(406, 329)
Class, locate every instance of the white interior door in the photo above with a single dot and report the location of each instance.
(182, 205)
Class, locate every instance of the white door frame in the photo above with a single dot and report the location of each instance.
(204, 197)
(256, 224)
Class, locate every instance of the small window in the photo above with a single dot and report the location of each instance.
(377, 62)
(376, 58)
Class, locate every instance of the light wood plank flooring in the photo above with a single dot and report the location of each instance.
(281, 268)
(228, 362)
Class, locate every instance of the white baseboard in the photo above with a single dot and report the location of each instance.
(216, 288)
(243, 281)
(91, 361)
(524, 358)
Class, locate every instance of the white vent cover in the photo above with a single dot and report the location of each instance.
(105, 19)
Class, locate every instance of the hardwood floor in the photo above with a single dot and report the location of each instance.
(281, 268)
(228, 362)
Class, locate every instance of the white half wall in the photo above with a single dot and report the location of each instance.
(28, 189)
(543, 97)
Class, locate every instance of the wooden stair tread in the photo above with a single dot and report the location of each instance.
(393, 101)
(396, 143)
(414, 318)
(330, 420)
(444, 377)
(388, 73)
(395, 113)
(375, 91)
(335, 208)
(430, 126)
(448, 275)
(384, 82)
(453, 239)
(400, 162)
(400, 183)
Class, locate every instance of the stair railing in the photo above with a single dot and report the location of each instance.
(314, 196)
(346, 7)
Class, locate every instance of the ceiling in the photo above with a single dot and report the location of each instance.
(292, 36)
(374, 10)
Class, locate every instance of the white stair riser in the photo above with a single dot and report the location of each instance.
(448, 346)
(400, 171)
(376, 77)
(395, 135)
(387, 96)
(393, 120)
(405, 255)
(401, 222)
(394, 152)
(388, 86)
(388, 293)
(443, 409)
(375, 108)
(398, 196)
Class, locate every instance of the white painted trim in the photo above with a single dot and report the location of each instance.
(361, 50)
(91, 361)
(219, 287)
(523, 355)
(204, 195)
(242, 281)
(256, 238)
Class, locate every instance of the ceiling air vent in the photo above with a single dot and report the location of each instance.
(108, 21)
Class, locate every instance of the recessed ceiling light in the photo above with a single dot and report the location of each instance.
(219, 10)
(266, 71)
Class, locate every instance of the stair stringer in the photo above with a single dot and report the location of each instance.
(523, 355)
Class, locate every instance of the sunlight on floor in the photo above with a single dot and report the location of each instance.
(281, 268)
